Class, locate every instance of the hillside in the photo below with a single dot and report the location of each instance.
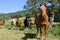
(25, 13)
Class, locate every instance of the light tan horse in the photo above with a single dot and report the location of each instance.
(31, 22)
(13, 22)
(41, 19)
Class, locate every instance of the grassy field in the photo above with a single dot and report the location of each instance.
(26, 34)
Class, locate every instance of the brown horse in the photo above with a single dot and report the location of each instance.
(41, 19)
(18, 22)
(2, 22)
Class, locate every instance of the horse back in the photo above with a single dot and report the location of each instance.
(18, 22)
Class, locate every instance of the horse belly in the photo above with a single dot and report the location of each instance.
(18, 23)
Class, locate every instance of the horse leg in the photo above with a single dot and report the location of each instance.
(37, 30)
(46, 28)
(24, 25)
(27, 26)
(41, 32)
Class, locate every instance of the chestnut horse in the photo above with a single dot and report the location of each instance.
(2, 22)
(18, 22)
(41, 19)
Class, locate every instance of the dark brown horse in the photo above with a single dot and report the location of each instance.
(28, 22)
(41, 19)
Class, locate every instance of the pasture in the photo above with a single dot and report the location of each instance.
(6, 33)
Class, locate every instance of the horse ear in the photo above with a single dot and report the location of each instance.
(44, 4)
(50, 1)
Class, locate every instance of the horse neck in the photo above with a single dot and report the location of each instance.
(43, 14)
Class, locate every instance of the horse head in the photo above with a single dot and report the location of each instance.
(42, 12)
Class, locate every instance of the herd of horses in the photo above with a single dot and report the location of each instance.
(18, 22)
(41, 20)
(28, 22)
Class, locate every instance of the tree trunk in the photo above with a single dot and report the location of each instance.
(51, 20)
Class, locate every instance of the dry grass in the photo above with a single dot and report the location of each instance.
(26, 34)
(8, 34)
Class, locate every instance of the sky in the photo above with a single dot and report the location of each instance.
(7, 6)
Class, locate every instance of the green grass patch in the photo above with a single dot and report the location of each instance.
(55, 30)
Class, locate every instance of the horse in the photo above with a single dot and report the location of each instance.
(13, 22)
(41, 19)
(31, 22)
(26, 22)
(2, 22)
(18, 22)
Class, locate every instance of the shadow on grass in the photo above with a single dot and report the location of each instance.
(9, 28)
(29, 35)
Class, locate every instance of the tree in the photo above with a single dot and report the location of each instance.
(31, 6)
(34, 5)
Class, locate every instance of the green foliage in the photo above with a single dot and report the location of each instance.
(33, 5)
(55, 30)
(7, 24)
